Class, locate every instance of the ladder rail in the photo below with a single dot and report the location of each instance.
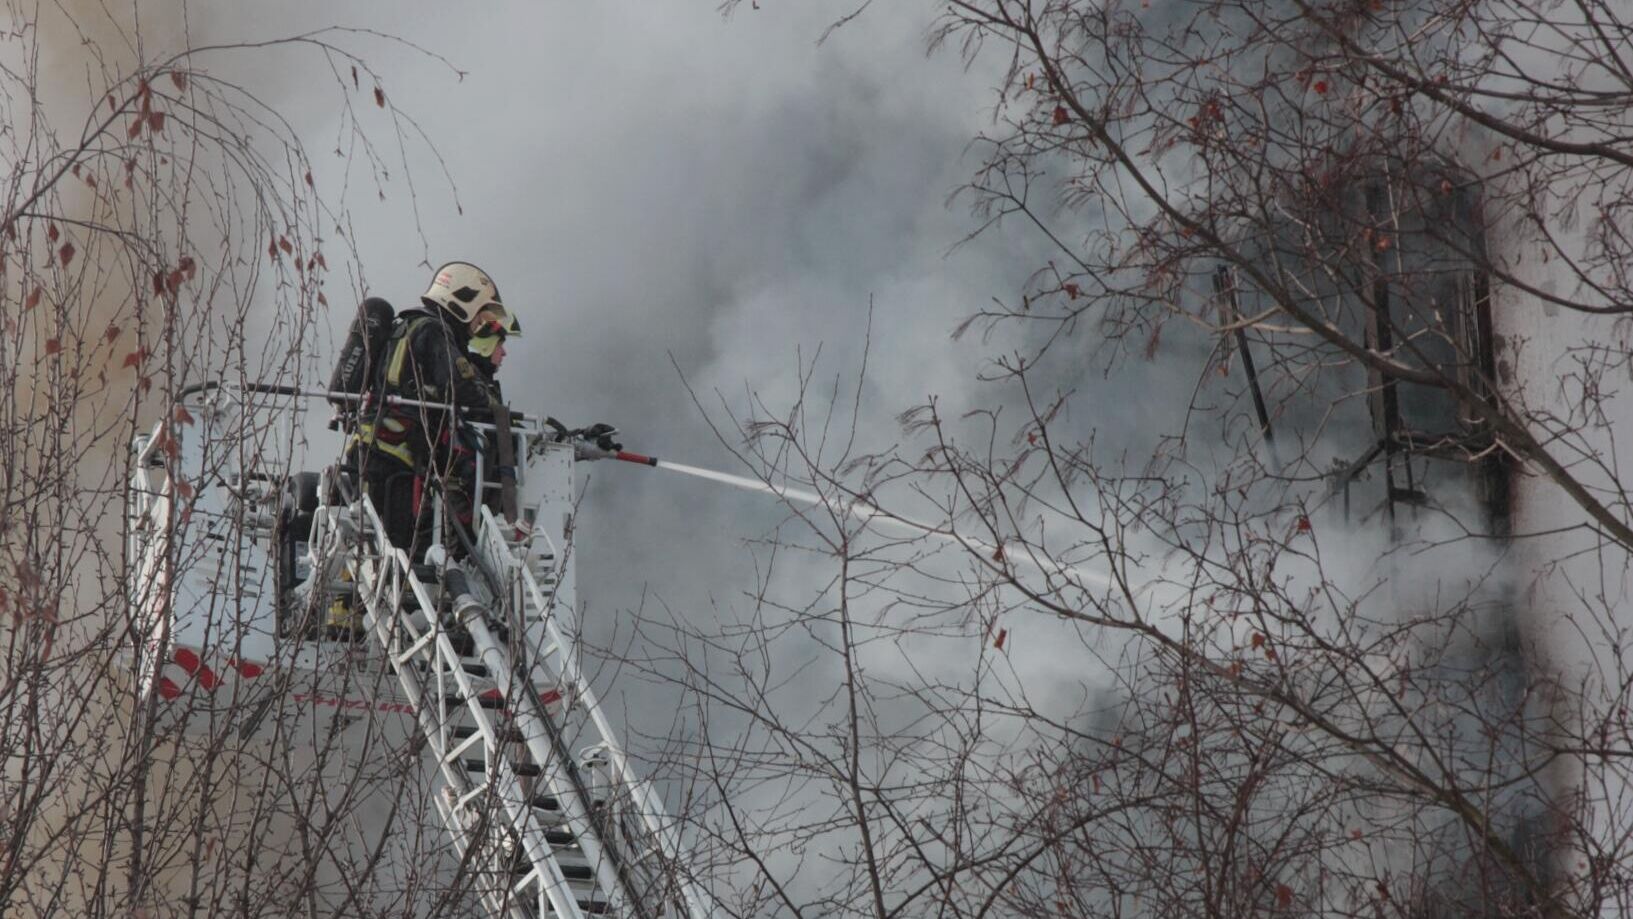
(542, 740)
(499, 902)
(649, 809)
(500, 563)
(383, 582)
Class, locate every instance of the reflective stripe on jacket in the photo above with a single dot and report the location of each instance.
(424, 360)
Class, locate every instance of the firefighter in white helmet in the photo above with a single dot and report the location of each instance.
(403, 451)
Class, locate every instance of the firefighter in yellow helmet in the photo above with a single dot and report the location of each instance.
(487, 354)
(487, 347)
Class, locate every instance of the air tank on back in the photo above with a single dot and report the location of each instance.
(360, 354)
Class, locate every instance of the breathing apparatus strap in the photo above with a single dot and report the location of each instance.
(507, 462)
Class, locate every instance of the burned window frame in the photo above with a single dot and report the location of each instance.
(1464, 321)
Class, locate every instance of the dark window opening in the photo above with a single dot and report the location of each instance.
(1397, 263)
(1427, 305)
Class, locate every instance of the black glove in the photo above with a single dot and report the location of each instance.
(600, 434)
(593, 442)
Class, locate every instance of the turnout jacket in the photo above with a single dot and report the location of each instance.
(425, 359)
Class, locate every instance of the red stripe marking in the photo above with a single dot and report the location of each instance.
(490, 694)
(188, 660)
(247, 669)
(168, 688)
(553, 695)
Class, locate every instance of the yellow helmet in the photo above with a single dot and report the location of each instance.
(493, 326)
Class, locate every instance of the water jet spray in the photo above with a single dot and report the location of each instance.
(871, 513)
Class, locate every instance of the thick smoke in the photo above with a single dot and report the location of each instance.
(725, 203)
(667, 197)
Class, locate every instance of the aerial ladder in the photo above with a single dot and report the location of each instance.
(539, 800)
(518, 735)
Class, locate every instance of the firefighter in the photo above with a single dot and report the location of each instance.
(403, 452)
(487, 348)
(487, 354)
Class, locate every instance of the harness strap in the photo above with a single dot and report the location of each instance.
(389, 434)
(398, 347)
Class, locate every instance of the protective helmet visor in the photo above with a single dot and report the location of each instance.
(487, 339)
(492, 328)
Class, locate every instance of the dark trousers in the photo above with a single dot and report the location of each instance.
(397, 493)
(403, 499)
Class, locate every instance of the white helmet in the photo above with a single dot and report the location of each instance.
(463, 290)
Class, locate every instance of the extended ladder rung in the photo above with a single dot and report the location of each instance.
(493, 700)
(588, 907)
(545, 802)
(547, 809)
(488, 699)
(522, 770)
(561, 839)
(480, 671)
